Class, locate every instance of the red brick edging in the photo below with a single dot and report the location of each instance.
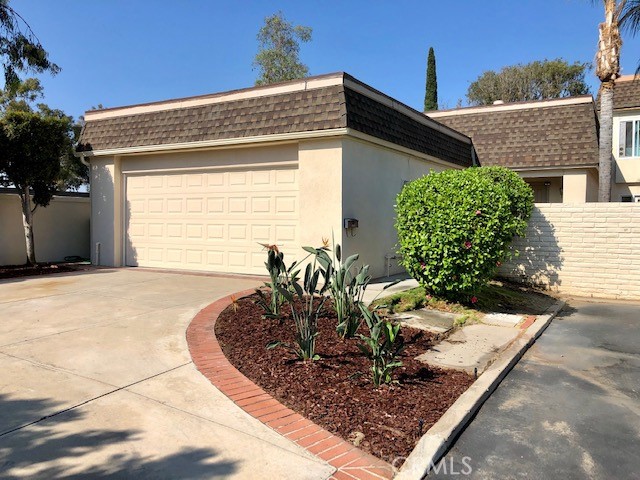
(350, 462)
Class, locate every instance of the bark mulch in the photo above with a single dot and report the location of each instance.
(15, 271)
(336, 391)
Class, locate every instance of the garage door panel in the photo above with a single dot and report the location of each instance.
(211, 220)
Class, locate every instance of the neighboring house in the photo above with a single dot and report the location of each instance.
(626, 140)
(552, 144)
(198, 183)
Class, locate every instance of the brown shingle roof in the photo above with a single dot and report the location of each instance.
(306, 110)
(626, 93)
(530, 135)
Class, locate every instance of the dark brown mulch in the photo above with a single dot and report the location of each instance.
(336, 391)
(15, 271)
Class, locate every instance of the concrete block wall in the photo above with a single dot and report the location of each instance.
(587, 249)
(60, 230)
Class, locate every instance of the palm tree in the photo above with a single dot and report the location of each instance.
(630, 20)
(607, 70)
(618, 14)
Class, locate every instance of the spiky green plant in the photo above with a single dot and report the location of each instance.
(305, 311)
(382, 346)
(347, 288)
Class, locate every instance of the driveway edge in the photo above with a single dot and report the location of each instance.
(350, 462)
(439, 438)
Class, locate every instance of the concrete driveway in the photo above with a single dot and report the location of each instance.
(96, 380)
(569, 409)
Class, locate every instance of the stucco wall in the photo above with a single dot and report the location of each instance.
(626, 173)
(372, 177)
(337, 178)
(582, 249)
(320, 166)
(104, 216)
(60, 230)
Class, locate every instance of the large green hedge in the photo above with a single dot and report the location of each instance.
(455, 227)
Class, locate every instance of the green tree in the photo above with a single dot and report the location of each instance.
(278, 55)
(23, 97)
(32, 144)
(20, 49)
(431, 92)
(539, 80)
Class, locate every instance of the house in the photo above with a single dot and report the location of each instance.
(626, 140)
(199, 183)
(552, 144)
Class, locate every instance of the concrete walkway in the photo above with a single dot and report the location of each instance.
(569, 409)
(97, 381)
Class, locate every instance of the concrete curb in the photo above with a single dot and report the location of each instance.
(437, 441)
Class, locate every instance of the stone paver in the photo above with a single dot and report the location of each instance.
(97, 381)
(472, 347)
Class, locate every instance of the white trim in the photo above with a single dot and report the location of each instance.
(559, 167)
(123, 218)
(307, 84)
(237, 141)
(289, 164)
(400, 107)
(407, 151)
(506, 107)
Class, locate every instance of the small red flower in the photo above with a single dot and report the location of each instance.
(467, 244)
(423, 265)
(478, 212)
(498, 263)
(474, 300)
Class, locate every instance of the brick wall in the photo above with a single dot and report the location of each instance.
(590, 249)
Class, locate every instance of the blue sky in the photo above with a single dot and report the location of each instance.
(119, 52)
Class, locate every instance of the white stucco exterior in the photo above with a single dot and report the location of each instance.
(626, 174)
(335, 178)
(60, 229)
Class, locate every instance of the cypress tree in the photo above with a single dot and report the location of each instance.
(431, 94)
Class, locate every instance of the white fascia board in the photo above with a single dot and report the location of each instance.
(506, 107)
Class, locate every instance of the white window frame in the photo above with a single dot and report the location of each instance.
(635, 137)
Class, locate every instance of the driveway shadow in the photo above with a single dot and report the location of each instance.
(51, 447)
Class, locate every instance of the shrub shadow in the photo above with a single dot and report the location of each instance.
(537, 257)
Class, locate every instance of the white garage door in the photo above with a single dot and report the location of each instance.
(212, 221)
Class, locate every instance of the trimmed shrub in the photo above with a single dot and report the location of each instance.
(455, 227)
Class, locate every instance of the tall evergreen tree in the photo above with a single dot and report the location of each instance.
(431, 94)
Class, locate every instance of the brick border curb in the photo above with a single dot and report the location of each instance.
(350, 462)
(436, 442)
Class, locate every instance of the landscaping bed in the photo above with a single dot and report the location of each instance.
(498, 296)
(15, 271)
(336, 391)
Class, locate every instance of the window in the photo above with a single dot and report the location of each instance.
(630, 198)
(629, 144)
